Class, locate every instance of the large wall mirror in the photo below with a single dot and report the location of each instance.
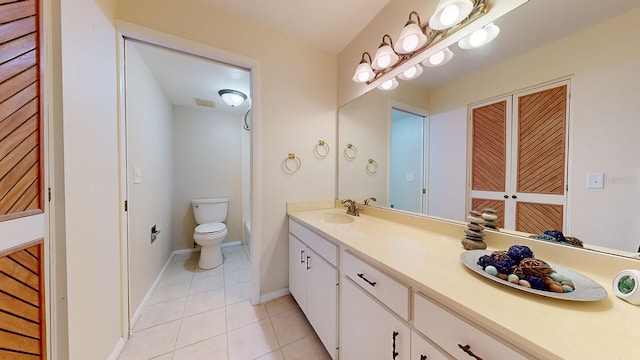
(592, 47)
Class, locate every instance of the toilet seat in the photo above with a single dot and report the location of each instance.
(210, 229)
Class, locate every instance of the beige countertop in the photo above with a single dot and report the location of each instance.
(426, 255)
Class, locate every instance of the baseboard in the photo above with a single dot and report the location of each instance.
(117, 349)
(138, 312)
(274, 295)
(231, 243)
(184, 251)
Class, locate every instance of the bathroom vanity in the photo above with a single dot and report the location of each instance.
(388, 285)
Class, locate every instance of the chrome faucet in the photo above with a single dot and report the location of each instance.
(369, 200)
(352, 209)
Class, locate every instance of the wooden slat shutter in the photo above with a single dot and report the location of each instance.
(21, 171)
(497, 205)
(537, 218)
(489, 154)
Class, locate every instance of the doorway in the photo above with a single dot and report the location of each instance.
(182, 142)
(407, 175)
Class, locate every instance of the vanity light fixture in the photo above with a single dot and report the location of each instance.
(364, 72)
(385, 56)
(480, 37)
(389, 84)
(412, 36)
(439, 58)
(411, 73)
(450, 13)
(232, 97)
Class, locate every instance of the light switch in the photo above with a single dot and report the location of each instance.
(137, 175)
(409, 176)
(595, 181)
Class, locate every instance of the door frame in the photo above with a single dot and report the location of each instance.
(143, 34)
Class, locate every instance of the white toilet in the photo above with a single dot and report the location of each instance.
(210, 231)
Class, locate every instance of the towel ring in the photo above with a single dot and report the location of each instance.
(350, 152)
(372, 167)
(293, 159)
(321, 149)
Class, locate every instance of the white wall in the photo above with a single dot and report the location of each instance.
(90, 130)
(149, 147)
(207, 163)
(296, 108)
(603, 63)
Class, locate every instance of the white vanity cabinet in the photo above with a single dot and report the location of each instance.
(368, 331)
(421, 349)
(455, 335)
(313, 282)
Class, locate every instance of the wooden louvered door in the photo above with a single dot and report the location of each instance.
(518, 158)
(22, 219)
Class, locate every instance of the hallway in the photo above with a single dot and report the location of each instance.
(206, 314)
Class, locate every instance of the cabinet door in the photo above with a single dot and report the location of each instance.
(298, 271)
(421, 349)
(322, 300)
(367, 330)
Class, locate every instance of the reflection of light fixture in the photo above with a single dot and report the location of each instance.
(232, 97)
(385, 56)
(411, 73)
(439, 58)
(411, 37)
(389, 84)
(364, 72)
(480, 37)
(450, 13)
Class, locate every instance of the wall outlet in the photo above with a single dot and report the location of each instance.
(137, 175)
(595, 181)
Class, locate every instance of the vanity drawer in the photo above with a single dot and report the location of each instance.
(324, 248)
(383, 287)
(450, 332)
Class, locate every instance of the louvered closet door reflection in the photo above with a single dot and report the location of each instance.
(490, 157)
(541, 152)
(518, 158)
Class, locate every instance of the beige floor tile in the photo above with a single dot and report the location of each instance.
(252, 341)
(291, 325)
(201, 326)
(175, 277)
(189, 265)
(237, 277)
(204, 301)
(276, 355)
(235, 265)
(237, 293)
(206, 284)
(243, 313)
(235, 256)
(210, 349)
(231, 249)
(307, 348)
(281, 304)
(160, 313)
(168, 293)
(167, 356)
(152, 342)
(176, 258)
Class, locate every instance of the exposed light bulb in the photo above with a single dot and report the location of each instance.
(449, 14)
(478, 37)
(437, 58)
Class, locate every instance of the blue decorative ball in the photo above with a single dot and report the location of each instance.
(504, 265)
(536, 282)
(557, 234)
(485, 260)
(519, 252)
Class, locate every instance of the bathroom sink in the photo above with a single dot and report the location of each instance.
(333, 218)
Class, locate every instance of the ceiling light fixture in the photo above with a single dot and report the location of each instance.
(232, 97)
(480, 37)
(364, 72)
(450, 13)
(411, 73)
(412, 36)
(389, 84)
(385, 56)
(440, 58)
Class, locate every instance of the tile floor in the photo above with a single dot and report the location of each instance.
(206, 314)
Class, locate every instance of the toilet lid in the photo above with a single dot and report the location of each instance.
(210, 228)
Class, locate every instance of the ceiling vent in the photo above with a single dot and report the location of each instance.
(205, 103)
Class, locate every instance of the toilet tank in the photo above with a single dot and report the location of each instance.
(213, 210)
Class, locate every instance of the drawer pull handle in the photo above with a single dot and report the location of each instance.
(394, 353)
(423, 357)
(467, 349)
(308, 263)
(372, 283)
(301, 256)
